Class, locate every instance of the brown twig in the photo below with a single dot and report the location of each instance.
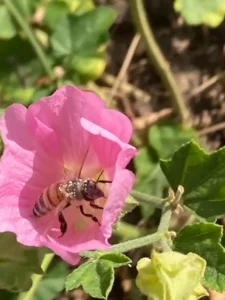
(125, 66)
(145, 121)
(205, 85)
(126, 87)
(211, 129)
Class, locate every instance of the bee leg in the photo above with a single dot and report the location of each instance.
(104, 181)
(92, 204)
(63, 224)
(94, 219)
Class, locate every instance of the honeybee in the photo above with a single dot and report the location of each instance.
(62, 195)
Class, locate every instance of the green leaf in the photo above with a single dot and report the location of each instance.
(82, 34)
(17, 263)
(81, 6)
(116, 259)
(16, 71)
(7, 26)
(74, 280)
(165, 138)
(96, 277)
(26, 7)
(204, 240)
(89, 67)
(52, 282)
(55, 12)
(203, 177)
(77, 6)
(197, 12)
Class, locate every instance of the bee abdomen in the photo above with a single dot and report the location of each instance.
(48, 200)
(40, 208)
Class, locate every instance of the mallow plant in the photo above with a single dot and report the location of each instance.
(64, 184)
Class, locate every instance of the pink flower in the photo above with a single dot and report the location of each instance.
(46, 144)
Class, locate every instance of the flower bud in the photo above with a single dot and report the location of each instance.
(171, 275)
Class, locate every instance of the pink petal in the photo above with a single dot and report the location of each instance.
(61, 113)
(114, 122)
(72, 258)
(119, 190)
(88, 238)
(10, 216)
(108, 146)
(55, 136)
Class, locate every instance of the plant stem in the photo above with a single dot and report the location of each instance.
(129, 245)
(151, 200)
(157, 58)
(164, 226)
(36, 278)
(26, 28)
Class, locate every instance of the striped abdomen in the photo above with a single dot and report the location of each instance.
(49, 199)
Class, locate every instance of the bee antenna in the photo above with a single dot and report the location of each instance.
(99, 176)
(82, 164)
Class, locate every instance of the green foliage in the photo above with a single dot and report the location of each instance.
(55, 12)
(204, 239)
(74, 34)
(17, 263)
(52, 282)
(203, 177)
(26, 7)
(163, 140)
(197, 12)
(115, 259)
(72, 37)
(7, 26)
(166, 138)
(5, 295)
(97, 276)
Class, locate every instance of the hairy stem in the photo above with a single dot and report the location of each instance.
(157, 59)
(161, 236)
(164, 226)
(151, 200)
(129, 245)
(36, 278)
(30, 35)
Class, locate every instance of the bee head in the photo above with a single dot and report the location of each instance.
(90, 191)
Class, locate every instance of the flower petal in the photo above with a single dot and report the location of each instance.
(119, 190)
(61, 113)
(50, 141)
(108, 146)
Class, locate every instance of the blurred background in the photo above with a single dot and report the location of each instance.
(168, 79)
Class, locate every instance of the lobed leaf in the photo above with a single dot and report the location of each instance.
(96, 277)
(164, 139)
(116, 259)
(83, 34)
(204, 239)
(203, 177)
